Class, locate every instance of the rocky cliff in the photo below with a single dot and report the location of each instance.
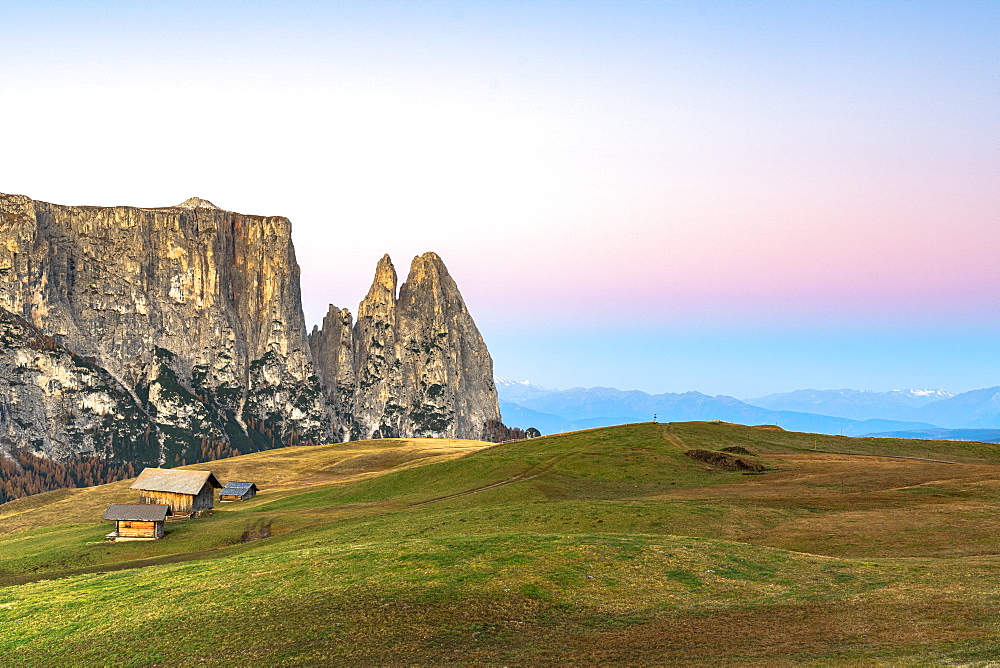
(413, 365)
(190, 312)
(174, 334)
(57, 402)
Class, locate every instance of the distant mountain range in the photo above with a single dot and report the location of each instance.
(982, 435)
(978, 409)
(853, 404)
(848, 412)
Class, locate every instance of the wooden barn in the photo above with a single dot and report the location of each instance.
(186, 492)
(238, 491)
(139, 521)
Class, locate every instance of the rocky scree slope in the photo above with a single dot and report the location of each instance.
(159, 336)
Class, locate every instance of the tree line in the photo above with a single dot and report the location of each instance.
(23, 473)
(498, 432)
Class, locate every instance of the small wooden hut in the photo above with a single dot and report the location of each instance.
(186, 492)
(238, 491)
(139, 521)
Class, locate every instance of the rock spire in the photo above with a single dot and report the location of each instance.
(421, 367)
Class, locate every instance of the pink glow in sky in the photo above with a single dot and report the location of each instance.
(754, 196)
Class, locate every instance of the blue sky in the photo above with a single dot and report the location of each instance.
(732, 197)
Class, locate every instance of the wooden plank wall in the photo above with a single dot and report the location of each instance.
(179, 503)
(134, 529)
(205, 499)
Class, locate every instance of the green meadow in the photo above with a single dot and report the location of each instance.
(602, 547)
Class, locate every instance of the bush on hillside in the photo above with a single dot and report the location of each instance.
(498, 432)
(724, 460)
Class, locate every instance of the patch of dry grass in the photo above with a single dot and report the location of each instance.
(276, 472)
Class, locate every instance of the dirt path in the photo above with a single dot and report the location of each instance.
(668, 435)
(533, 472)
(211, 553)
(860, 454)
(919, 459)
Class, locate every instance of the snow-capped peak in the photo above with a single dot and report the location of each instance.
(937, 394)
(507, 382)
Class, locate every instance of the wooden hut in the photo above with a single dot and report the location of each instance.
(186, 492)
(238, 491)
(139, 521)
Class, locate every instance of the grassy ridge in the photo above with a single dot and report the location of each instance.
(606, 546)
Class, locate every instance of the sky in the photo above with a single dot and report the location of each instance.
(730, 197)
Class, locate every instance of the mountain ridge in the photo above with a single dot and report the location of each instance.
(853, 404)
(576, 404)
(188, 320)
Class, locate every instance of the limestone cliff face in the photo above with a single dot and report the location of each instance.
(192, 313)
(55, 401)
(420, 366)
(168, 335)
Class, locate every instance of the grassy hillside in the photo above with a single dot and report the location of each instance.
(605, 546)
(59, 532)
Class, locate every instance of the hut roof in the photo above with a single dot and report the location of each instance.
(172, 480)
(240, 485)
(137, 512)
